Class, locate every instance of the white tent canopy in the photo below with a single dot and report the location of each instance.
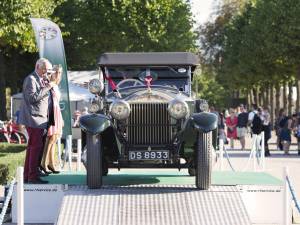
(82, 77)
(77, 93)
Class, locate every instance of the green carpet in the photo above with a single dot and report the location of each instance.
(129, 177)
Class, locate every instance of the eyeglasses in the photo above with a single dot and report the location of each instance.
(50, 71)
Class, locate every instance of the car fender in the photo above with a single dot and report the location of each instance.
(94, 123)
(204, 121)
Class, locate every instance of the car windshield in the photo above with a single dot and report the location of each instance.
(124, 77)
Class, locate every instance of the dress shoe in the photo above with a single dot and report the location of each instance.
(37, 181)
(44, 170)
(53, 170)
(42, 174)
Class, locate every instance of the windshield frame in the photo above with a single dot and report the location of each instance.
(170, 71)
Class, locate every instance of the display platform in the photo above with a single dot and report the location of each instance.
(134, 176)
(254, 196)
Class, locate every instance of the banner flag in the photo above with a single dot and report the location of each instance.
(50, 44)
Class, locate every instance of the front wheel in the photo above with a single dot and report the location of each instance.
(203, 161)
(94, 160)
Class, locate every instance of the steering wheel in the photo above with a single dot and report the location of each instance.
(134, 81)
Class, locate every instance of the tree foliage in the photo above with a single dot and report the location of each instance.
(100, 26)
(253, 46)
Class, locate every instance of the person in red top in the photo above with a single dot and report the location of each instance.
(231, 123)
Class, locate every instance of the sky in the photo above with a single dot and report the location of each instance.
(202, 9)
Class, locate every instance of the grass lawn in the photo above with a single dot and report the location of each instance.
(11, 156)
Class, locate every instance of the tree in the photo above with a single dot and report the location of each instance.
(94, 27)
(255, 49)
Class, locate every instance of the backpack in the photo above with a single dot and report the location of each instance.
(257, 125)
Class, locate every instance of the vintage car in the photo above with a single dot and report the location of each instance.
(144, 116)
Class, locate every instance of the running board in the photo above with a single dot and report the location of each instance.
(152, 205)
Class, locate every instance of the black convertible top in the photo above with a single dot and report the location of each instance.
(149, 58)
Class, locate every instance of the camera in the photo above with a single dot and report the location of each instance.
(55, 70)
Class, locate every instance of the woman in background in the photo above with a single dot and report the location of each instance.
(231, 123)
(285, 132)
(54, 131)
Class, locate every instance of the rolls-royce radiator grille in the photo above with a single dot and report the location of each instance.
(149, 124)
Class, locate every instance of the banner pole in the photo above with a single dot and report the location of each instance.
(20, 195)
(69, 149)
(79, 155)
(221, 146)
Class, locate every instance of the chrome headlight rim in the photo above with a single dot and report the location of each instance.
(95, 86)
(203, 106)
(94, 107)
(115, 106)
(178, 115)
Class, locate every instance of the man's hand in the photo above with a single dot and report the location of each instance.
(51, 84)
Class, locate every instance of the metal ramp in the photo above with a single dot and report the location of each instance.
(153, 205)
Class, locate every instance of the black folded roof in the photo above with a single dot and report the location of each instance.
(149, 58)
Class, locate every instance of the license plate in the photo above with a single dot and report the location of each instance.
(148, 155)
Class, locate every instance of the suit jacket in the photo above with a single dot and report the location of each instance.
(34, 107)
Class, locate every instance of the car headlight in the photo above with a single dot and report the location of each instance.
(203, 106)
(178, 109)
(119, 109)
(96, 86)
(94, 107)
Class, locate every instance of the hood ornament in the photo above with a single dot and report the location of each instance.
(148, 80)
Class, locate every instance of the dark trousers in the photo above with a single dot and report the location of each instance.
(33, 152)
(267, 131)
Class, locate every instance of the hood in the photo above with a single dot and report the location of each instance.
(156, 94)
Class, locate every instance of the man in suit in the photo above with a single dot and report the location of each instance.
(34, 114)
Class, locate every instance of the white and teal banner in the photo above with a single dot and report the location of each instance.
(50, 44)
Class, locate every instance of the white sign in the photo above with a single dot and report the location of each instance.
(264, 204)
(41, 203)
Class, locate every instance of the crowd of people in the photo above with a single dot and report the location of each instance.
(236, 123)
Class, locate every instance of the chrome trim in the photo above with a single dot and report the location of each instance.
(149, 124)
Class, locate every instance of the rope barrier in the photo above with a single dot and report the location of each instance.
(7, 199)
(228, 160)
(293, 194)
(256, 152)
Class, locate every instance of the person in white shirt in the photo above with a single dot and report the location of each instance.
(252, 114)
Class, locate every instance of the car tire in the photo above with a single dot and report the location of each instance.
(105, 167)
(203, 161)
(94, 161)
(192, 171)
